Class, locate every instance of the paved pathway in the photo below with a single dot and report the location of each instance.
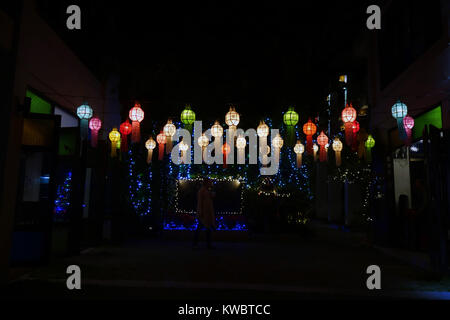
(332, 264)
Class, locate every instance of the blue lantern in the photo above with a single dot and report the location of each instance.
(84, 112)
(399, 111)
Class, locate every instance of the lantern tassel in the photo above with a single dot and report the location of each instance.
(241, 156)
(149, 156)
(368, 155)
(135, 132)
(348, 133)
(124, 143)
(338, 158)
(224, 160)
(84, 123)
(169, 145)
(94, 138)
(309, 144)
(401, 129)
(299, 160)
(161, 151)
(113, 150)
(315, 155)
(323, 154)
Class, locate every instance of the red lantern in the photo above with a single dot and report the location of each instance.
(309, 129)
(161, 139)
(136, 115)
(94, 124)
(355, 129)
(225, 151)
(322, 140)
(348, 117)
(125, 130)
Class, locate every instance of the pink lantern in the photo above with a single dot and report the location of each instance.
(408, 124)
(94, 124)
(322, 140)
(348, 117)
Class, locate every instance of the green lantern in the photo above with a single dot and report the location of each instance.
(188, 116)
(370, 143)
(290, 118)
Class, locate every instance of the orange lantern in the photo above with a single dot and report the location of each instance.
(161, 139)
(136, 115)
(309, 129)
(348, 117)
(125, 130)
(322, 140)
(225, 151)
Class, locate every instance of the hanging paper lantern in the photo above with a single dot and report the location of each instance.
(355, 128)
(408, 124)
(203, 142)
(114, 137)
(290, 119)
(322, 140)
(184, 148)
(125, 130)
(94, 124)
(361, 138)
(136, 115)
(370, 143)
(161, 139)
(232, 120)
(169, 130)
(84, 112)
(150, 144)
(263, 132)
(299, 149)
(241, 143)
(315, 149)
(337, 148)
(188, 117)
(217, 130)
(225, 151)
(348, 117)
(309, 129)
(399, 111)
(277, 142)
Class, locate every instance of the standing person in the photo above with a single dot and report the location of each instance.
(205, 212)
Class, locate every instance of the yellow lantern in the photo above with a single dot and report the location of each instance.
(150, 144)
(337, 148)
(114, 137)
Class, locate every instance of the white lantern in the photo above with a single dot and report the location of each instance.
(169, 130)
(299, 149)
(217, 130)
(150, 144)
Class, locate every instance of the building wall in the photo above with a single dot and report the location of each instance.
(424, 84)
(46, 64)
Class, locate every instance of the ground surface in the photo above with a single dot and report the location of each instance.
(332, 264)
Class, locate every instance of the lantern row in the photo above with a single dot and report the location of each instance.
(354, 138)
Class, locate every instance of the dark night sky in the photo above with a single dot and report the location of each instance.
(261, 57)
